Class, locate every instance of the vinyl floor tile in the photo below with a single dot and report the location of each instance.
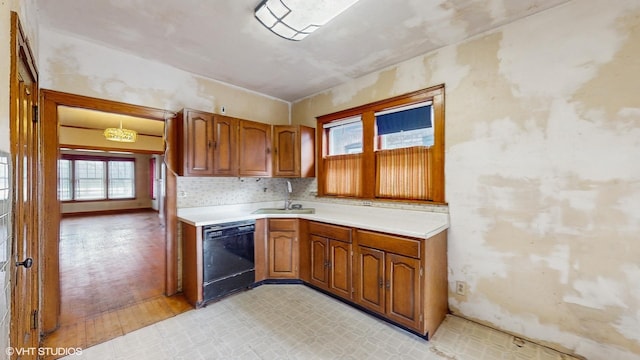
(296, 322)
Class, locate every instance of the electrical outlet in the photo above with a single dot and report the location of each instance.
(461, 288)
(367, 203)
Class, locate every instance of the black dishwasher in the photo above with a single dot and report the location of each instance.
(228, 263)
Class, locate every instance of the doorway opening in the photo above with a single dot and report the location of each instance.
(94, 259)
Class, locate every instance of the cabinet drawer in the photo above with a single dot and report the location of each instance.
(282, 225)
(389, 243)
(330, 231)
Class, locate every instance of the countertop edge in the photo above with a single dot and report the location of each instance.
(245, 213)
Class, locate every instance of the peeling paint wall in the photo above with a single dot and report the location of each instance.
(74, 65)
(542, 171)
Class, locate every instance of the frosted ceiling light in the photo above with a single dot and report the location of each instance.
(120, 134)
(296, 19)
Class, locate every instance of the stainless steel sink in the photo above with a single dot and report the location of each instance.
(285, 211)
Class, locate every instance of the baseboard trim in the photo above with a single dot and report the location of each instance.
(108, 212)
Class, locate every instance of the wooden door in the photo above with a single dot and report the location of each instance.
(286, 151)
(403, 290)
(225, 144)
(198, 143)
(255, 149)
(370, 290)
(24, 128)
(340, 268)
(283, 253)
(319, 262)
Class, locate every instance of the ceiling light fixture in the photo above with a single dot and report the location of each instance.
(120, 134)
(296, 19)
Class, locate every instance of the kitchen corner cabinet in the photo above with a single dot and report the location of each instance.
(330, 258)
(282, 249)
(195, 136)
(293, 151)
(225, 145)
(254, 148)
(403, 279)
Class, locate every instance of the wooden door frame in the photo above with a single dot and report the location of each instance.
(24, 143)
(50, 230)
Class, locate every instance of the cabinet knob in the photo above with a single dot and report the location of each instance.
(380, 283)
(388, 284)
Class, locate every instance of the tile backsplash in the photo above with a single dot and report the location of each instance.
(212, 191)
(5, 249)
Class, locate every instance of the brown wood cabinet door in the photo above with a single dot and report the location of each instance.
(286, 150)
(340, 268)
(198, 143)
(283, 254)
(225, 144)
(370, 290)
(255, 149)
(403, 290)
(319, 261)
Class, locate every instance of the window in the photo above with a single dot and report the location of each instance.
(4, 178)
(391, 149)
(64, 180)
(89, 180)
(121, 180)
(85, 178)
(152, 178)
(405, 127)
(345, 136)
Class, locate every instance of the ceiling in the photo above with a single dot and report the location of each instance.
(92, 119)
(221, 39)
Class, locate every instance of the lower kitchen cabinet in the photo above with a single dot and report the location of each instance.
(331, 258)
(282, 248)
(399, 278)
(402, 279)
(389, 284)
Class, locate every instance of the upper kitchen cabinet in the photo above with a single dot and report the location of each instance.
(293, 151)
(225, 146)
(254, 149)
(195, 135)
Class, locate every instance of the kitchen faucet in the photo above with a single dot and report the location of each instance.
(287, 201)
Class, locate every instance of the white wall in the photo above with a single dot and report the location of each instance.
(542, 171)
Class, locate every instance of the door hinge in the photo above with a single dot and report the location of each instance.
(34, 319)
(35, 114)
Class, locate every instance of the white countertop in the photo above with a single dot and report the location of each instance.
(413, 223)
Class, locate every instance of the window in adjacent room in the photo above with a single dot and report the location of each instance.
(90, 178)
(391, 149)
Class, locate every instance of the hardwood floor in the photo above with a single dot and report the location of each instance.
(112, 270)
